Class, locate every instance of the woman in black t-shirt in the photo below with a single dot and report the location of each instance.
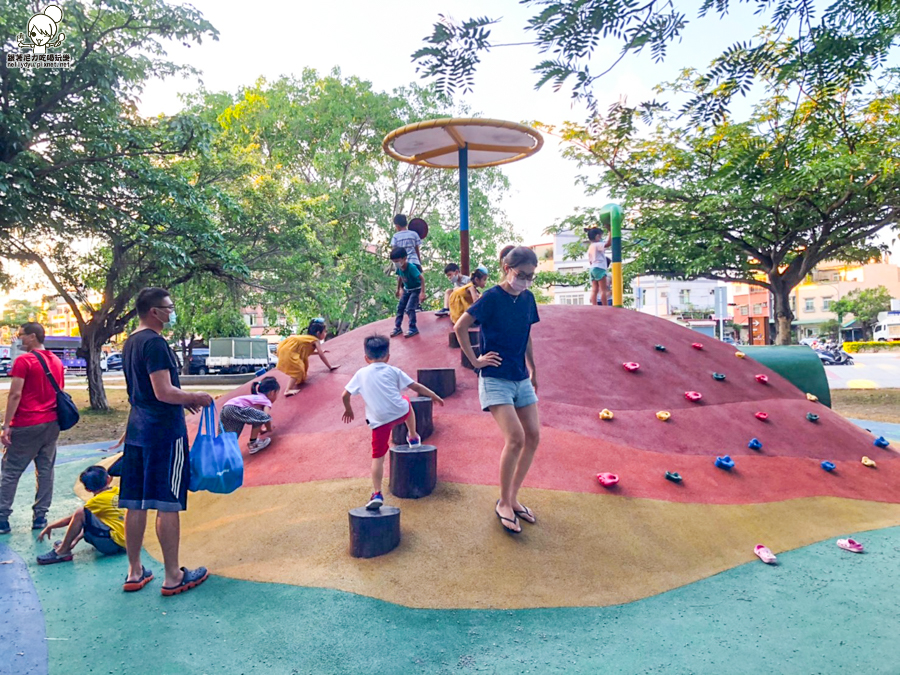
(507, 379)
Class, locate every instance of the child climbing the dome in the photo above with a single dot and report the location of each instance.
(410, 291)
(252, 409)
(598, 263)
(381, 385)
(294, 353)
(466, 296)
(507, 379)
(458, 279)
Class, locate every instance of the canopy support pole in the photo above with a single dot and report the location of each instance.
(464, 209)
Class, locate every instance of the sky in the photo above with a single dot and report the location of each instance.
(374, 41)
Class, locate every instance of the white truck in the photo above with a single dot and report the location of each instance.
(237, 355)
(888, 327)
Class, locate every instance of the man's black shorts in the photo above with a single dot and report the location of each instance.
(156, 477)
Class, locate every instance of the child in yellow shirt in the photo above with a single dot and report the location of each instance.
(100, 522)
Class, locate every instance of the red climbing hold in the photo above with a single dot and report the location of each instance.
(762, 416)
(607, 479)
(697, 345)
(762, 379)
(631, 366)
(693, 396)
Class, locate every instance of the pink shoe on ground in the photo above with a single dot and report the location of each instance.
(850, 545)
(764, 554)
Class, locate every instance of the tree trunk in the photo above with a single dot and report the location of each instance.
(781, 295)
(92, 346)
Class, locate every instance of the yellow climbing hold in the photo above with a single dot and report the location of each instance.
(868, 462)
(606, 414)
(811, 397)
(740, 355)
(663, 415)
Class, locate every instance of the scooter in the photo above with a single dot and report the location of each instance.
(834, 357)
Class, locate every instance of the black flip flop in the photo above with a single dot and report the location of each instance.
(132, 586)
(525, 514)
(190, 579)
(514, 521)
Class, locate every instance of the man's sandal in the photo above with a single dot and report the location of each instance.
(190, 579)
(503, 521)
(526, 514)
(132, 586)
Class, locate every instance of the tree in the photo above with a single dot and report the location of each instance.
(840, 45)
(18, 312)
(90, 192)
(864, 304)
(831, 329)
(809, 176)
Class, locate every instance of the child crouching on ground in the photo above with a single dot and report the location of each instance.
(380, 386)
(100, 522)
(252, 409)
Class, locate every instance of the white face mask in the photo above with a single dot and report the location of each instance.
(170, 319)
(519, 285)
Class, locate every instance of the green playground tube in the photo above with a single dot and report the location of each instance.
(799, 365)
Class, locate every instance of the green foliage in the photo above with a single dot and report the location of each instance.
(864, 304)
(831, 329)
(863, 347)
(806, 178)
(840, 46)
(18, 312)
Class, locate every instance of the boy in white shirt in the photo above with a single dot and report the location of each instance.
(380, 386)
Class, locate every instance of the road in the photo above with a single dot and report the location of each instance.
(869, 371)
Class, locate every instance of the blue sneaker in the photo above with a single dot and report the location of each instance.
(376, 501)
(4, 527)
(414, 441)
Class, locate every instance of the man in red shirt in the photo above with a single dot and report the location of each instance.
(30, 428)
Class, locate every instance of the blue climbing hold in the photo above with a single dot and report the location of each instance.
(718, 376)
(881, 442)
(828, 466)
(812, 417)
(725, 463)
(660, 348)
(673, 476)
(755, 444)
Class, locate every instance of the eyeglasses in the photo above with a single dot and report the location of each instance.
(164, 306)
(521, 276)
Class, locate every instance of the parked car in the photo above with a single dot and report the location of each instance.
(5, 367)
(198, 365)
(113, 362)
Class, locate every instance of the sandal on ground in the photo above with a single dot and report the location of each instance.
(503, 521)
(190, 579)
(850, 545)
(526, 514)
(764, 554)
(132, 586)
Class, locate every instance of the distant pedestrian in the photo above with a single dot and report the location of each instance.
(155, 466)
(30, 427)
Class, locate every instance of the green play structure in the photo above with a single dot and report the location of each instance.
(797, 364)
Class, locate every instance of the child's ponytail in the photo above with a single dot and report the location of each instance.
(316, 326)
(265, 385)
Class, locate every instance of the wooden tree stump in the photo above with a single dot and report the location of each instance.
(421, 406)
(474, 336)
(374, 533)
(465, 362)
(413, 471)
(442, 381)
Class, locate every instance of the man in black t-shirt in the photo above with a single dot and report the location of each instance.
(155, 467)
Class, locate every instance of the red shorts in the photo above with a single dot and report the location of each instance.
(381, 436)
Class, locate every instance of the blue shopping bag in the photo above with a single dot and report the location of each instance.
(216, 462)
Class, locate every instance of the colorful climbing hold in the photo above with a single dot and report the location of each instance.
(631, 366)
(828, 466)
(868, 462)
(606, 414)
(697, 345)
(881, 442)
(718, 376)
(761, 416)
(762, 379)
(755, 444)
(811, 397)
(660, 348)
(673, 476)
(725, 462)
(740, 355)
(663, 415)
(607, 479)
(812, 417)
(693, 396)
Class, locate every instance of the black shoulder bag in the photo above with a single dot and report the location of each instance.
(66, 410)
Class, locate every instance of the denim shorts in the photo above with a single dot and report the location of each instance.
(494, 391)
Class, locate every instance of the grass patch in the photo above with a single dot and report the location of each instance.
(96, 425)
(878, 405)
